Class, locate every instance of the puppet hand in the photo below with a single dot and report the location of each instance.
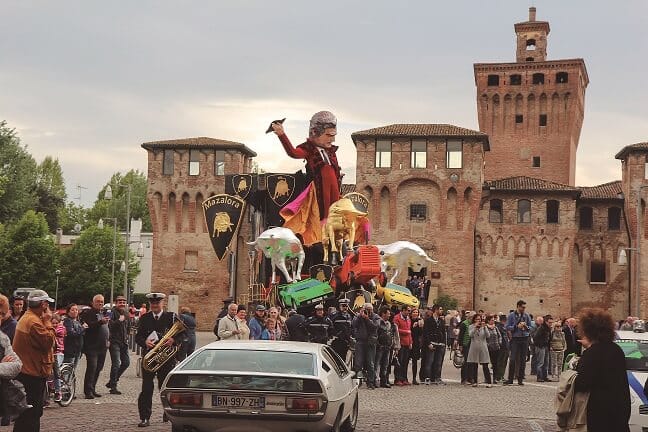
(278, 129)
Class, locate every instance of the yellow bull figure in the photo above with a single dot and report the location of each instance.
(341, 225)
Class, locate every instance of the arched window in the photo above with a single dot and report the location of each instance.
(585, 218)
(538, 78)
(614, 218)
(553, 210)
(531, 44)
(562, 77)
(495, 211)
(524, 211)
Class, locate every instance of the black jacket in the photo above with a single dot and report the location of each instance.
(434, 331)
(296, 330)
(119, 329)
(147, 324)
(602, 373)
(542, 336)
(319, 329)
(96, 335)
(573, 346)
(73, 341)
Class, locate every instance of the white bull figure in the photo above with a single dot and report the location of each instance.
(403, 254)
(281, 244)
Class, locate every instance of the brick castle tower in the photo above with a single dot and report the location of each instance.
(532, 109)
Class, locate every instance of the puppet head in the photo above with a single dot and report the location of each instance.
(323, 128)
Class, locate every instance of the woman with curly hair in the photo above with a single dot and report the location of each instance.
(602, 373)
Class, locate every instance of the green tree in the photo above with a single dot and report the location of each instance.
(70, 215)
(86, 268)
(17, 176)
(116, 207)
(29, 255)
(447, 302)
(50, 191)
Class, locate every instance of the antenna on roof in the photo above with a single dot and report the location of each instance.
(79, 187)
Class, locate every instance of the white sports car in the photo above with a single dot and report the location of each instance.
(261, 386)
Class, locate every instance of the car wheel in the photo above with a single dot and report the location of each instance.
(337, 426)
(351, 422)
(175, 428)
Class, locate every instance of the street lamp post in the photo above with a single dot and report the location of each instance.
(114, 250)
(58, 273)
(108, 196)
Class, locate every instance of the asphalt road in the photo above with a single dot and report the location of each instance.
(452, 407)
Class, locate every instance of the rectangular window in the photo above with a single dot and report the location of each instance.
(524, 211)
(219, 162)
(493, 80)
(495, 213)
(191, 261)
(454, 156)
(519, 118)
(597, 272)
(521, 270)
(553, 210)
(536, 161)
(418, 157)
(515, 80)
(543, 119)
(194, 162)
(383, 153)
(167, 164)
(418, 212)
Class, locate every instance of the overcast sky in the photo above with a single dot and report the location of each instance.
(89, 81)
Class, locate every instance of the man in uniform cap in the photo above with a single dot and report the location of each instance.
(151, 328)
(319, 326)
(342, 329)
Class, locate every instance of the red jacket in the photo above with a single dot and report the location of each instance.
(404, 329)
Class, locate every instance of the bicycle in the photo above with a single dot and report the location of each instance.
(68, 385)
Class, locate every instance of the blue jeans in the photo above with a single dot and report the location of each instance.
(120, 361)
(403, 361)
(383, 356)
(517, 361)
(542, 364)
(363, 359)
(434, 362)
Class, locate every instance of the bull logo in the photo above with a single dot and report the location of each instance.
(241, 185)
(280, 188)
(223, 215)
(321, 272)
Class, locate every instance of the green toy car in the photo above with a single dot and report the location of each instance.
(305, 293)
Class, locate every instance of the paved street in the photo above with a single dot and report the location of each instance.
(452, 407)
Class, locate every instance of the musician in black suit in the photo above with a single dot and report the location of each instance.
(571, 337)
(158, 321)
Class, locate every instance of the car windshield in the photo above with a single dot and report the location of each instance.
(399, 288)
(636, 354)
(243, 360)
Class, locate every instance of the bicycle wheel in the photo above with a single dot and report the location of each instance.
(68, 385)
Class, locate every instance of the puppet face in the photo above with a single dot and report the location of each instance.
(326, 139)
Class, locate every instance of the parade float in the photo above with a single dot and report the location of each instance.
(318, 240)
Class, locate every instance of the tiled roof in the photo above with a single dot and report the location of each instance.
(347, 188)
(198, 142)
(610, 190)
(523, 183)
(420, 130)
(642, 146)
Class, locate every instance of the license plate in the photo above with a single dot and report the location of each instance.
(240, 402)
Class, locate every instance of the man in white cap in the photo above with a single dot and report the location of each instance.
(33, 344)
(152, 327)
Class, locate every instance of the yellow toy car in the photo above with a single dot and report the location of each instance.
(396, 295)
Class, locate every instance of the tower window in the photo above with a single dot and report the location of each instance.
(538, 78)
(524, 211)
(493, 80)
(553, 208)
(529, 59)
(495, 212)
(418, 212)
(614, 218)
(167, 164)
(418, 157)
(536, 161)
(515, 79)
(219, 162)
(562, 77)
(383, 153)
(586, 219)
(454, 156)
(519, 118)
(194, 162)
(597, 272)
(543, 120)
(531, 44)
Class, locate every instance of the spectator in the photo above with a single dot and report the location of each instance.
(228, 325)
(74, 331)
(189, 343)
(541, 341)
(503, 353)
(7, 321)
(295, 326)
(463, 342)
(342, 329)
(494, 342)
(59, 348)
(257, 323)
(119, 327)
(452, 329)
(417, 336)
(33, 344)
(602, 373)
(10, 366)
(275, 312)
(386, 346)
(18, 307)
(434, 341)
(403, 324)
(95, 344)
(518, 324)
(627, 324)
(478, 353)
(536, 324)
(557, 346)
(318, 326)
(7, 327)
(365, 329)
(272, 330)
(241, 316)
(573, 345)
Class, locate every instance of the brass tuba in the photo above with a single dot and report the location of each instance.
(161, 353)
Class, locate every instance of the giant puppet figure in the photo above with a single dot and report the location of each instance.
(322, 166)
